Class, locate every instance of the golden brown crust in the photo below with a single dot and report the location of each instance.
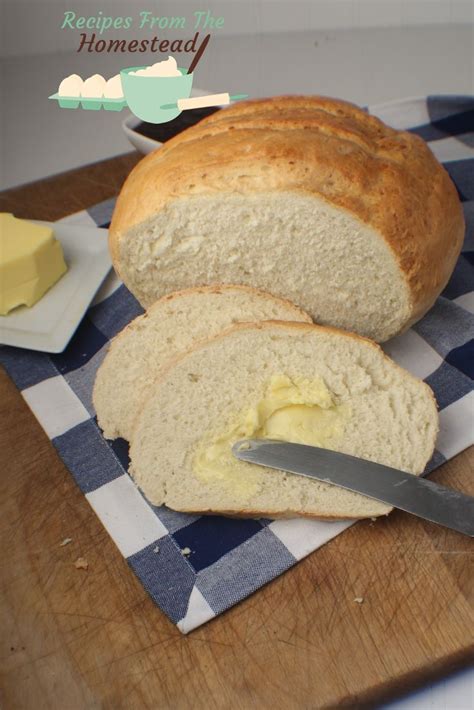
(319, 146)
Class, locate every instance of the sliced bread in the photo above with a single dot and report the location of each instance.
(363, 404)
(170, 327)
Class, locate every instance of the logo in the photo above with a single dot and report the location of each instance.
(155, 93)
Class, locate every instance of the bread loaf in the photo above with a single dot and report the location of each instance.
(309, 198)
(362, 402)
(170, 327)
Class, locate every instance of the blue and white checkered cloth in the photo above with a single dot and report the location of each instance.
(230, 559)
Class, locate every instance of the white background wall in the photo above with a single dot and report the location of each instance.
(365, 51)
(32, 26)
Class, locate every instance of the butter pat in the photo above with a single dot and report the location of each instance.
(299, 410)
(31, 261)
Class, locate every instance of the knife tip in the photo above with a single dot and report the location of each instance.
(242, 447)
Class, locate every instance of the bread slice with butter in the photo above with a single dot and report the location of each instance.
(290, 381)
(171, 326)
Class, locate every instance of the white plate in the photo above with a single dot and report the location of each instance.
(51, 322)
(142, 143)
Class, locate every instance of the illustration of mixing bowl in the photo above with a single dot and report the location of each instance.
(145, 95)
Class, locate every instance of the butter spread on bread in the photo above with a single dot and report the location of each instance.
(385, 415)
(299, 410)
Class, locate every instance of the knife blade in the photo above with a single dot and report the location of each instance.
(418, 496)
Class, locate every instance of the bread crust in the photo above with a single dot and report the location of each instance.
(319, 146)
(288, 515)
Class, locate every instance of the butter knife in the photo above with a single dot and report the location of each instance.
(418, 496)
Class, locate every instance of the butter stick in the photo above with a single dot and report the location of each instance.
(31, 261)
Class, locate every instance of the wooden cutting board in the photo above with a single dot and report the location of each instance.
(74, 638)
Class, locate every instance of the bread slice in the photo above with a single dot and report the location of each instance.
(392, 419)
(306, 197)
(170, 327)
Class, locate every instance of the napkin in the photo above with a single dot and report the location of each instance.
(196, 567)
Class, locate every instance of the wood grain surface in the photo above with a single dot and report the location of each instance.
(74, 638)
